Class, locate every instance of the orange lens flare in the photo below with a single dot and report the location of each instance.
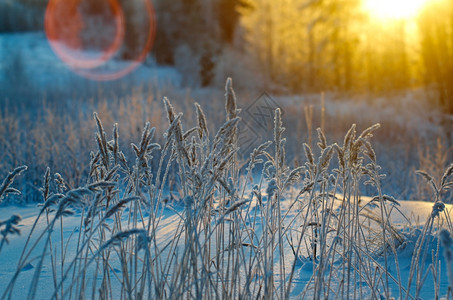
(88, 35)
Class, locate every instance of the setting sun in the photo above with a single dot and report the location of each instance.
(394, 9)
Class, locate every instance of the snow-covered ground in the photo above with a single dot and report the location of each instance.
(415, 215)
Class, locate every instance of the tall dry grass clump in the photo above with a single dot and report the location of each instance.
(222, 231)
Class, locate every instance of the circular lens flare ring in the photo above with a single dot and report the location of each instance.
(75, 58)
(63, 40)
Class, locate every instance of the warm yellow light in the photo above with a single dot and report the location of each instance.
(394, 9)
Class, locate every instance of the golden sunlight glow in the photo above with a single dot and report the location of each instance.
(394, 9)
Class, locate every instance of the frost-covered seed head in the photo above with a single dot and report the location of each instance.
(271, 188)
(438, 207)
(230, 100)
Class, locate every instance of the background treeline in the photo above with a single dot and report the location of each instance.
(308, 46)
(290, 46)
